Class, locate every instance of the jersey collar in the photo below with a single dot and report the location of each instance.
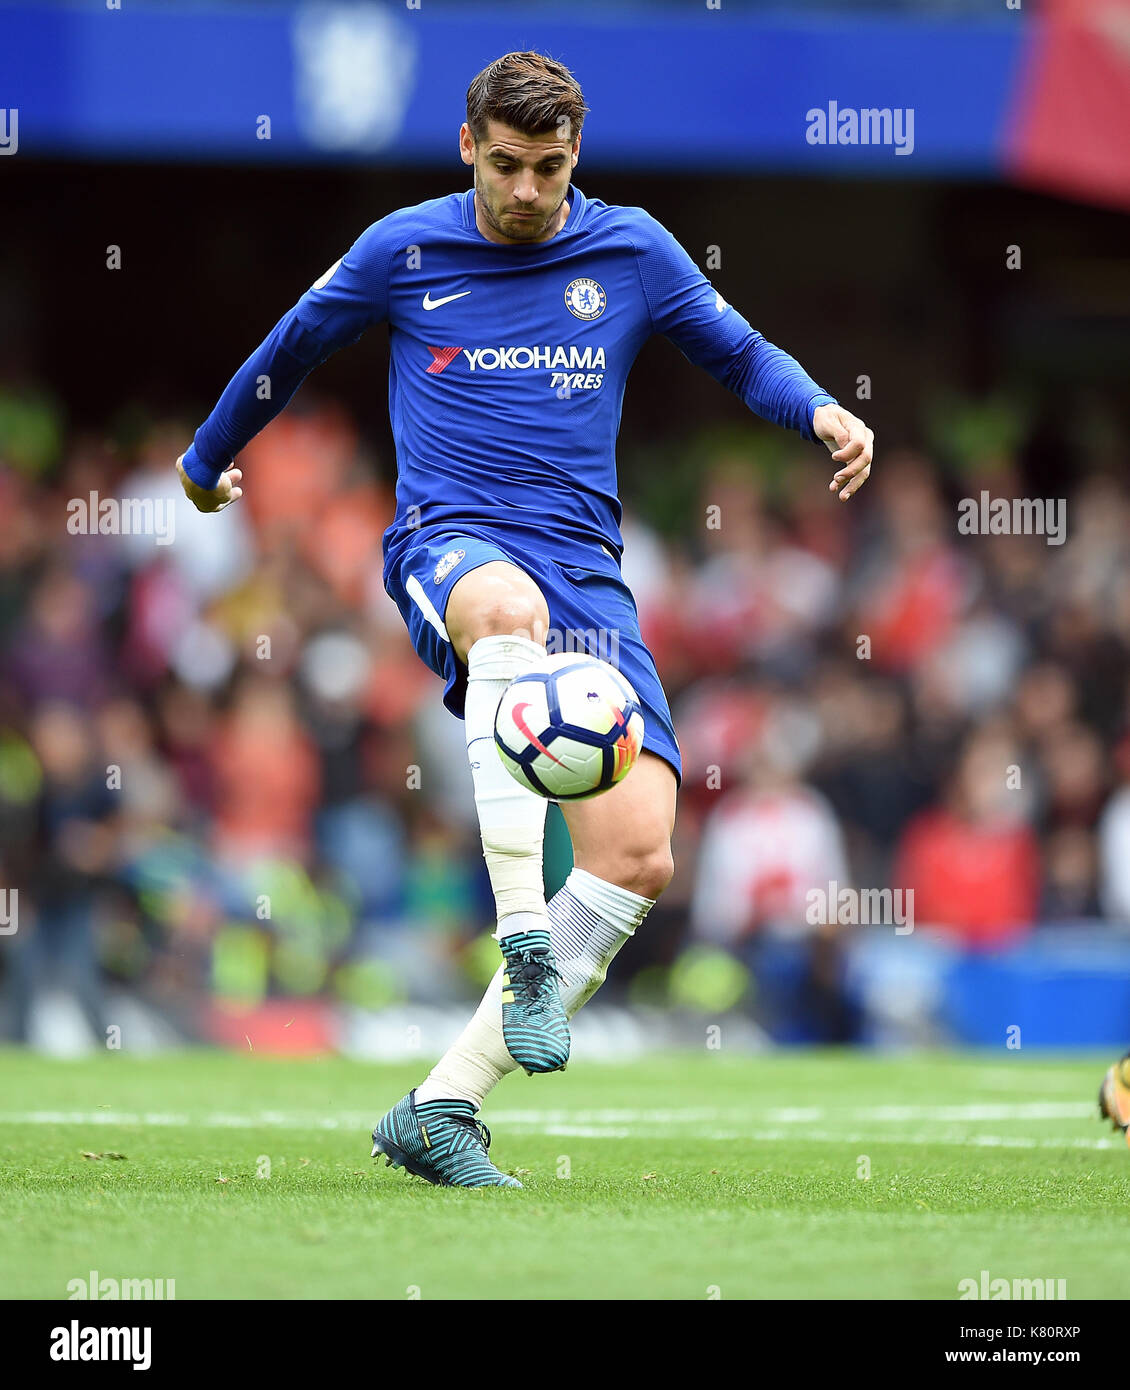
(578, 205)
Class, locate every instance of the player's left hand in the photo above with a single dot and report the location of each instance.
(226, 491)
(850, 443)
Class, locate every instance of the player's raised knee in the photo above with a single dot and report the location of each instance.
(514, 613)
(496, 601)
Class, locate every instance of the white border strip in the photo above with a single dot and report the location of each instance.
(415, 591)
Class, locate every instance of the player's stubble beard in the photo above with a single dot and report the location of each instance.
(521, 229)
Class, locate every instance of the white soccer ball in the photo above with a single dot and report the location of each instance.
(569, 727)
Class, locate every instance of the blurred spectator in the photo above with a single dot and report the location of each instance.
(60, 652)
(913, 586)
(54, 952)
(765, 849)
(973, 862)
(868, 770)
(769, 842)
(266, 775)
(1114, 846)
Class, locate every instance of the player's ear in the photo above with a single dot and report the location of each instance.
(466, 144)
(576, 149)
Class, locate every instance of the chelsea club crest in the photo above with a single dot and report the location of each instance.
(447, 564)
(585, 299)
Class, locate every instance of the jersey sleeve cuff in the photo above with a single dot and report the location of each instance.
(813, 405)
(201, 473)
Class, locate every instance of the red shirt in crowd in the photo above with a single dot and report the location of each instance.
(980, 882)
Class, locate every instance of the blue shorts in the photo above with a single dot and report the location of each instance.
(590, 609)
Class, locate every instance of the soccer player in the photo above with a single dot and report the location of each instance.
(515, 311)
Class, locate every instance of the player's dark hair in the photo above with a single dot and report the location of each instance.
(527, 92)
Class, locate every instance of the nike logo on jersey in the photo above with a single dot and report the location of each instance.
(430, 303)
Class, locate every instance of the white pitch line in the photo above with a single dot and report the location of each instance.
(1021, 1110)
(768, 1126)
(810, 1114)
(829, 1136)
(790, 1115)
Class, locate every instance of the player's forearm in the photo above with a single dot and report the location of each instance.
(775, 385)
(255, 395)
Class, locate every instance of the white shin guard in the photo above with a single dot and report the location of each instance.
(511, 818)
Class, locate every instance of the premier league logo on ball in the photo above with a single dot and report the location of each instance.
(585, 299)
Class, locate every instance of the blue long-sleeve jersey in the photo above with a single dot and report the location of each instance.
(508, 365)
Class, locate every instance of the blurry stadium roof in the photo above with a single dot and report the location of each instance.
(982, 91)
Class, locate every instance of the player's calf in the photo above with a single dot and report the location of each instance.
(622, 863)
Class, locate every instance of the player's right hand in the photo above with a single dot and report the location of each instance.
(226, 491)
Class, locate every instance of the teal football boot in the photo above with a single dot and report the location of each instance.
(535, 1026)
(441, 1142)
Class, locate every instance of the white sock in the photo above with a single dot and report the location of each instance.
(511, 818)
(512, 826)
(589, 920)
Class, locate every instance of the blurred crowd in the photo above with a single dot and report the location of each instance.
(226, 778)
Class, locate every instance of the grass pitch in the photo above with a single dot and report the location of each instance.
(679, 1177)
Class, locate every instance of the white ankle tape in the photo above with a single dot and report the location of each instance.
(478, 1060)
(513, 856)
